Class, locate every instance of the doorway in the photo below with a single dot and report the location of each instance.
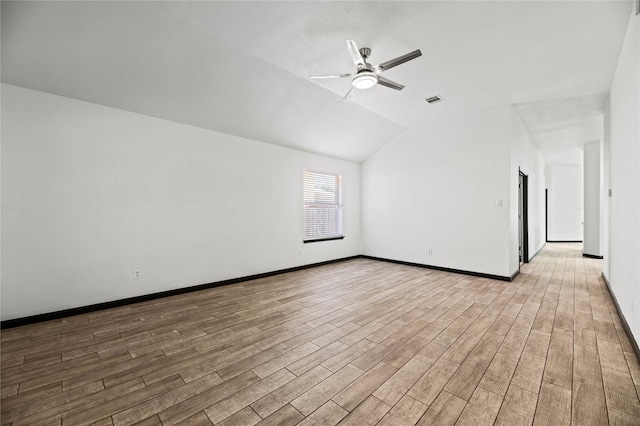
(523, 220)
(546, 215)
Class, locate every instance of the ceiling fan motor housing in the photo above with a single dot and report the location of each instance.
(365, 52)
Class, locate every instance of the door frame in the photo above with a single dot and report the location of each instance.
(523, 216)
(546, 215)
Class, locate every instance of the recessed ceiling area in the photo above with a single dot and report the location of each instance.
(242, 67)
(560, 127)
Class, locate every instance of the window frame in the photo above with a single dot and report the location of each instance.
(337, 205)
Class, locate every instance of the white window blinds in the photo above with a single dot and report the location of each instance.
(322, 206)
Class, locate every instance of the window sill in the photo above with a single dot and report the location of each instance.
(323, 239)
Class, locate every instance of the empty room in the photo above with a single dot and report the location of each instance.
(320, 213)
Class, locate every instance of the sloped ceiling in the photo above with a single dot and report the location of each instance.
(242, 67)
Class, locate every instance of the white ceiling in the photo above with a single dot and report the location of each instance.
(241, 67)
(562, 126)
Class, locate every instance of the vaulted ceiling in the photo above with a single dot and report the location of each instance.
(242, 67)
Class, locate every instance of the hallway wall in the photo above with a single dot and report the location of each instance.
(622, 146)
(565, 203)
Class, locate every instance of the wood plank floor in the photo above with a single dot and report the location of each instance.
(359, 342)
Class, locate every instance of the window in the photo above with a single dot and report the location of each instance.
(322, 206)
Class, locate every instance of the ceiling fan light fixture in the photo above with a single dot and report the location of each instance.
(364, 80)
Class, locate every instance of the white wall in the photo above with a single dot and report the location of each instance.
(593, 198)
(438, 186)
(525, 157)
(89, 193)
(622, 267)
(565, 214)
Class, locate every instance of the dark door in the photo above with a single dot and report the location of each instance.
(523, 225)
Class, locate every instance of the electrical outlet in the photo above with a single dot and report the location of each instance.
(137, 274)
(430, 252)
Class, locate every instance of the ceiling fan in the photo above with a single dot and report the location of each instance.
(368, 75)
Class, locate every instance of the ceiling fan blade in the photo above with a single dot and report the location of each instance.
(331, 76)
(399, 60)
(357, 58)
(388, 83)
(349, 92)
